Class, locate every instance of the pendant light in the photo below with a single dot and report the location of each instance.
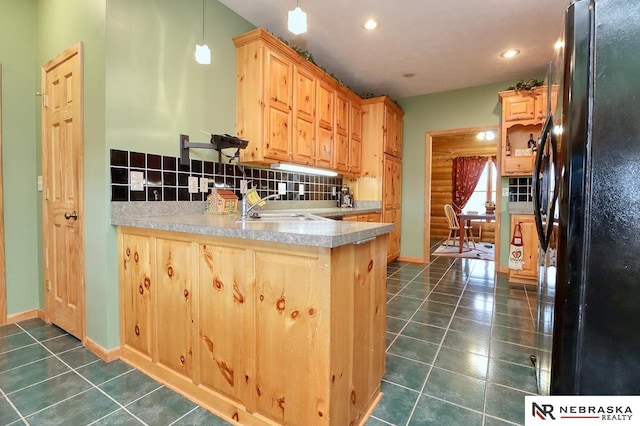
(297, 22)
(203, 54)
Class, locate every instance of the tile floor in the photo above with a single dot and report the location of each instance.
(458, 346)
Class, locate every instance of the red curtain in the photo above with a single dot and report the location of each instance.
(466, 174)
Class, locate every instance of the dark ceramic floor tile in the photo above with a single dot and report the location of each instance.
(129, 387)
(443, 298)
(513, 353)
(7, 413)
(483, 301)
(82, 409)
(372, 421)
(18, 378)
(512, 375)
(479, 315)
(402, 307)
(470, 327)
(505, 403)
(512, 308)
(466, 363)
(521, 323)
(9, 329)
(118, 418)
(396, 404)
(456, 388)
(22, 356)
(394, 325)
(15, 341)
(44, 394)
(78, 357)
(414, 349)
(62, 343)
(431, 411)
(438, 308)
(492, 421)
(200, 416)
(448, 289)
(467, 342)
(389, 338)
(404, 372)
(32, 323)
(522, 337)
(45, 331)
(414, 293)
(100, 371)
(424, 332)
(432, 318)
(163, 406)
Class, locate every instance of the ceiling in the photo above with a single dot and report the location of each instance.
(446, 44)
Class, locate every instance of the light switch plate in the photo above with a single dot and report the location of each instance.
(301, 188)
(282, 188)
(193, 184)
(137, 181)
(204, 185)
(40, 184)
(505, 192)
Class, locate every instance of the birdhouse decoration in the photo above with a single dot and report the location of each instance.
(221, 201)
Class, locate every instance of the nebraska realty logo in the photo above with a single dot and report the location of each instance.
(580, 410)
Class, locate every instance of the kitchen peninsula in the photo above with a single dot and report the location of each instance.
(263, 323)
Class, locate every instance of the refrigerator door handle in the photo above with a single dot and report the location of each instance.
(546, 136)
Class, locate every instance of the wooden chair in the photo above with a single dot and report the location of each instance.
(454, 227)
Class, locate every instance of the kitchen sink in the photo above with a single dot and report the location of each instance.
(283, 217)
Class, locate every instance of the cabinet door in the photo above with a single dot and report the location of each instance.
(393, 240)
(392, 184)
(519, 108)
(341, 147)
(390, 131)
(529, 272)
(226, 302)
(278, 132)
(304, 142)
(518, 166)
(324, 147)
(304, 104)
(356, 121)
(175, 263)
(343, 107)
(355, 156)
(291, 332)
(325, 108)
(137, 293)
(304, 92)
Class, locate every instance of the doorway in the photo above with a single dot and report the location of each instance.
(63, 171)
(441, 148)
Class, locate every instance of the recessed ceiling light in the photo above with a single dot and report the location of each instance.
(408, 74)
(510, 53)
(371, 24)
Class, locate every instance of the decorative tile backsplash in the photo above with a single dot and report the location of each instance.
(520, 189)
(164, 179)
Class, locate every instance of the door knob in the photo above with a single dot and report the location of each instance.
(73, 215)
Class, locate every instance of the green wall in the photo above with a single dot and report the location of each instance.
(19, 133)
(471, 107)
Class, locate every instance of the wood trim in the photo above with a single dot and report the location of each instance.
(411, 259)
(27, 315)
(107, 355)
(427, 194)
(3, 278)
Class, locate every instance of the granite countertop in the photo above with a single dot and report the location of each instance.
(319, 233)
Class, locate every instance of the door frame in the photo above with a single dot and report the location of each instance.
(3, 275)
(76, 49)
(429, 136)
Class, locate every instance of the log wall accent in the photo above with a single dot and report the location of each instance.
(444, 150)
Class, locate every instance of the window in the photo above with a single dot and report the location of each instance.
(485, 190)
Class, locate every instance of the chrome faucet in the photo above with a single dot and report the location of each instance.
(247, 207)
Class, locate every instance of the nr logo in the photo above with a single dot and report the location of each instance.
(543, 411)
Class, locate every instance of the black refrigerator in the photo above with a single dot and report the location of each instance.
(587, 205)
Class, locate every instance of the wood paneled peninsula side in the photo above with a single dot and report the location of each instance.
(262, 323)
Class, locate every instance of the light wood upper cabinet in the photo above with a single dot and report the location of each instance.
(289, 109)
(356, 120)
(523, 115)
(355, 139)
